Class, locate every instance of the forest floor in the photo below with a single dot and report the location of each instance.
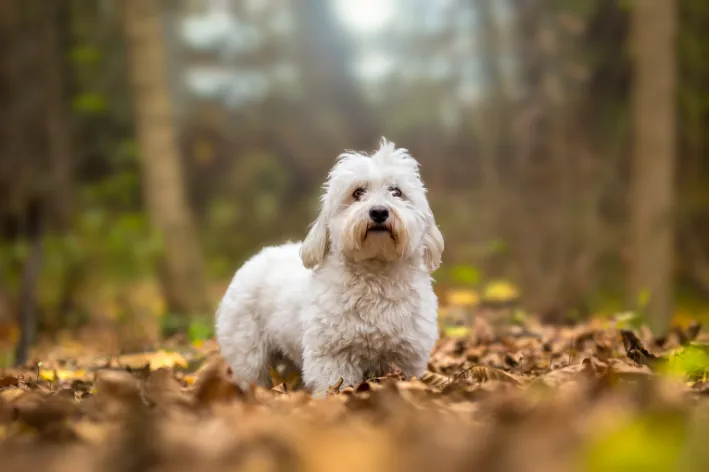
(518, 397)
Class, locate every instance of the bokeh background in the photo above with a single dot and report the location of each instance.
(147, 148)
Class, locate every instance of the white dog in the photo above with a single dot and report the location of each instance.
(356, 296)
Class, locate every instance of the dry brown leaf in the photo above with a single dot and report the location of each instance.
(435, 380)
(215, 386)
(117, 384)
(92, 432)
(586, 369)
(11, 393)
(39, 411)
(334, 389)
(453, 418)
(483, 373)
(9, 381)
(162, 389)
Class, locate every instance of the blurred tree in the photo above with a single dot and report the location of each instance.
(337, 114)
(36, 173)
(28, 283)
(653, 168)
(163, 186)
(496, 106)
(693, 94)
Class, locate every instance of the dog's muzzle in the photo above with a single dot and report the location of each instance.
(378, 229)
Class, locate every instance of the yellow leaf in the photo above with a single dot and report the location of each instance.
(155, 360)
(462, 298)
(456, 331)
(167, 359)
(500, 291)
(54, 375)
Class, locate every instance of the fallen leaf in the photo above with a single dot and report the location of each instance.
(118, 385)
(39, 411)
(435, 380)
(9, 381)
(462, 298)
(154, 360)
(334, 389)
(162, 389)
(483, 373)
(214, 385)
(55, 375)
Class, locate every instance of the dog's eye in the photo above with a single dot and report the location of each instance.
(396, 192)
(357, 194)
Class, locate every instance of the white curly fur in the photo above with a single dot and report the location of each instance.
(349, 301)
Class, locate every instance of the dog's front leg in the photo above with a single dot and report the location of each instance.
(321, 372)
(412, 366)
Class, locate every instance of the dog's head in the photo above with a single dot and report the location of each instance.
(374, 208)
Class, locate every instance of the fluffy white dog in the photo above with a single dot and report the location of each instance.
(356, 296)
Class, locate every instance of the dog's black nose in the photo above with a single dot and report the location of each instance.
(379, 214)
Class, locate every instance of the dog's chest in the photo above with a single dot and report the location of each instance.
(377, 320)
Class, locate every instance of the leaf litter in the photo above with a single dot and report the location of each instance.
(528, 397)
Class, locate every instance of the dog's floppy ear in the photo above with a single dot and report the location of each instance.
(315, 244)
(432, 246)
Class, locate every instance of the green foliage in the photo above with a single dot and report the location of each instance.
(90, 103)
(465, 275)
(197, 328)
(254, 198)
(85, 54)
(626, 5)
(653, 442)
(582, 8)
(200, 329)
(127, 152)
(496, 247)
(518, 317)
(629, 320)
(12, 256)
(110, 231)
(691, 361)
(171, 324)
(260, 171)
(643, 299)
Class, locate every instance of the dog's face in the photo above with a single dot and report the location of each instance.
(375, 208)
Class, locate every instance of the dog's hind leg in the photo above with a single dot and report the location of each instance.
(243, 347)
(252, 368)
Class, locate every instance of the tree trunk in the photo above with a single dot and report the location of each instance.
(59, 129)
(28, 283)
(163, 185)
(652, 194)
(494, 114)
